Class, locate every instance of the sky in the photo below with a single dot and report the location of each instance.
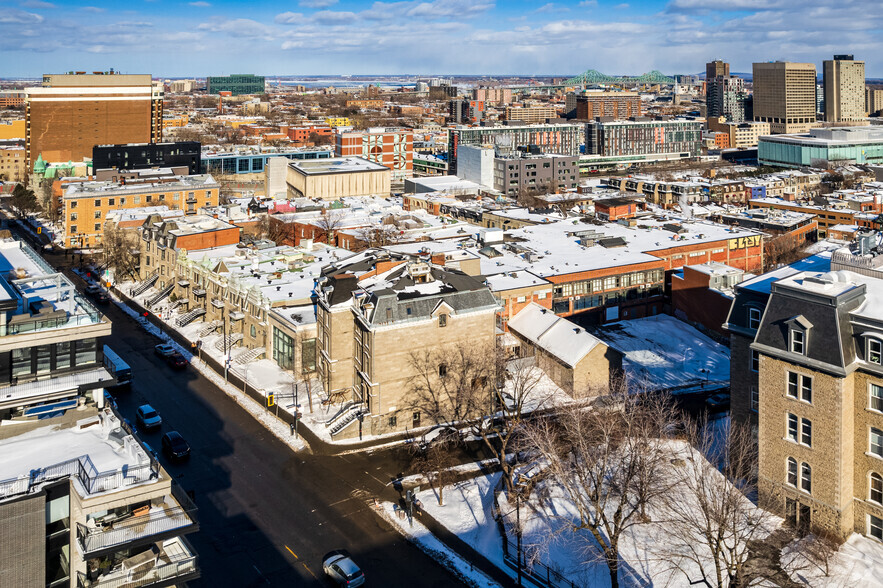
(170, 38)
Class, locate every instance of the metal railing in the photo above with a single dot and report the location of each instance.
(83, 469)
(155, 575)
(130, 529)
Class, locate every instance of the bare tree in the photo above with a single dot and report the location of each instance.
(328, 224)
(610, 463)
(119, 251)
(452, 385)
(378, 236)
(435, 462)
(709, 519)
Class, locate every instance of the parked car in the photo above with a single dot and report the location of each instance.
(719, 401)
(174, 446)
(177, 361)
(340, 567)
(164, 349)
(92, 290)
(102, 298)
(148, 418)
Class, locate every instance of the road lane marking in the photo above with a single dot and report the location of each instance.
(339, 501)
(378, 480)
(307, 568)
(291, 552)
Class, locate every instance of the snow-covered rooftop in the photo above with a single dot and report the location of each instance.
(557, 336)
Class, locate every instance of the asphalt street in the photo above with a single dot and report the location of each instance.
(267, 515)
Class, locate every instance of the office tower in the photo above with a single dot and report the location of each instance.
(844, 80)
(238, 85)
(71, 113)
(716, 69)
(785, 95)
(873, 101)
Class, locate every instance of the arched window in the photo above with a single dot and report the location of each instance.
(876, 487)
(792, 471)
(806, 477)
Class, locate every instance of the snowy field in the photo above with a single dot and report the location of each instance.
(858, 563)
(664, 352)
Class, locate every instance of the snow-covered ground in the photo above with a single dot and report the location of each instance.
(426, 541)
(549, 536)
(664, 352)
(858, 563)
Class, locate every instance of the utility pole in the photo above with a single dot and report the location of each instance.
(224, 336)
(296, 410)
(518, 530)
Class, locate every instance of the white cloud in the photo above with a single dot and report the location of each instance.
(92, 9)
(588, 4)
(238, 27)
(317, 3)
(289, 18)
(332, 17)
(14, 16)
(38, 4)
(200, 4)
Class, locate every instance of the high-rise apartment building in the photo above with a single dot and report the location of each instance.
(785, 95)
(726, 96)
(844, 81)
(612, 138)
(717, 68)
(531, 114)
(238, 84)
(492, 95)
(71, 113)
(616, 104)
(563, 139)
(873, 101)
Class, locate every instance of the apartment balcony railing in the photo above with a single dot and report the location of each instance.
(175, 563)
(122, 531)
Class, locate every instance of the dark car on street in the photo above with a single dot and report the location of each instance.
(174, 446)
(177, 361)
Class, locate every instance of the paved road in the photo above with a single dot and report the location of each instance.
(257, 498)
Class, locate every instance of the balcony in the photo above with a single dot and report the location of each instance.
(166, 563)
(171, 515)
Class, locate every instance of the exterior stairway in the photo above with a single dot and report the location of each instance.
(146, 285)
(189, 317)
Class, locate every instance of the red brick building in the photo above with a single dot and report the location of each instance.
(393, 148)
(702, 295)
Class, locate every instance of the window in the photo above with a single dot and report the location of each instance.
(44, 359)
(792, 427)
(442, 370)
(877, 442)
(98, 202)
(806, 432)
(792, 472)
(442, 320)
(875, 351)
(73, 216)
(755, 399)
(876, 401)
(392, 422)
(97, 214)
(415, 421)
(805, 477)
(799, 386)
(798, 339)
(73, 203)
(62, 355)
(73, 228)
(755, 361)
(253, 331)
(84, 352)
(875, 527)
(110, 202)
(876, 488)
(148, 198)
(97, 226)
(21, 362)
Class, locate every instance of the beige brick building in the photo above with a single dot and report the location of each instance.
(374, 310)
(785, 96)
(337, 177)
(807, 371)
(844, 82)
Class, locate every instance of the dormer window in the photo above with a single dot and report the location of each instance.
(875, 351)
(798, 334)
(798, 341)
(442, 320)
(753, 318)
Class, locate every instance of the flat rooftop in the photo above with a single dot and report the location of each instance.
(837, 136)
(94, 439)
(336, 165)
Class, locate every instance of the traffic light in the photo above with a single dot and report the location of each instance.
(145, 314)
(271, 400)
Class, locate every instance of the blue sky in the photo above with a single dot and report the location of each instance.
(314, 37)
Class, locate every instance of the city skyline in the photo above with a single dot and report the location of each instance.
(333, 37)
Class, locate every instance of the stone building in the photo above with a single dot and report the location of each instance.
(374, 309)
(814, 352)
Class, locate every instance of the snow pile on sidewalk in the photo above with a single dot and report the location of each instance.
(426, 541)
